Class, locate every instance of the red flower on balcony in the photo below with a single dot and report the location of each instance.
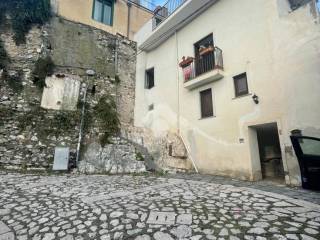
(186, 62)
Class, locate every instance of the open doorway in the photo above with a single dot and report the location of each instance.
(268, 144)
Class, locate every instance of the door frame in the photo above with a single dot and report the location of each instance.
(255, 153)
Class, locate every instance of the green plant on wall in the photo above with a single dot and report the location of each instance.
(3, 55)
(45, 124)
(43, 67)
(108, 120)
(24, 14)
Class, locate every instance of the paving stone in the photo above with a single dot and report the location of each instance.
(116, 214)
(224, 232)
(182, 232)
(185, 219)
(4, 212)
(162, 236)
(311, 231)
(7, 236)
(143, 237)
(3, 228)
(257, 231)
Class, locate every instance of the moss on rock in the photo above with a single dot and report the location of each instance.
(107, 117)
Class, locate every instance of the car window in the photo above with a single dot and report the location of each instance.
(310, 146)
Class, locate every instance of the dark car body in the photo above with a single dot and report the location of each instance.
(307, 150)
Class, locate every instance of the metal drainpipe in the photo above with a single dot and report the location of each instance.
(178, 111)
(129, 16)
(81, 123)
(178, 83)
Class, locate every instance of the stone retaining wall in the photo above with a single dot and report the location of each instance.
(30, 133)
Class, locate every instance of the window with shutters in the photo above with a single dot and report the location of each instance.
(103, 11)
(241, 85)
(206, 103)
(149, 81)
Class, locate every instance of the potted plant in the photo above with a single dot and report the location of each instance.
(205, 50)
(186, 61)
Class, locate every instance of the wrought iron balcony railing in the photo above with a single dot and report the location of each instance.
(163, 12)
(208, 61)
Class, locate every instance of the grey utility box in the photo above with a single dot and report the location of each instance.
(61, 159)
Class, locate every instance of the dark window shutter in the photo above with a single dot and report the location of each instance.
(149, 82)
(206, 103)
(241, 85)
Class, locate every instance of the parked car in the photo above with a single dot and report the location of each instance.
(307, 150)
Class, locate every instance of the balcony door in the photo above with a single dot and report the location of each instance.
(204, 55)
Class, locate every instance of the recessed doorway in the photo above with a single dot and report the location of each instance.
(268, 150)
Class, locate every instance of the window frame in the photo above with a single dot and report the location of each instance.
(146, 80)
(235, 79)
(112, 2)
(202, 116)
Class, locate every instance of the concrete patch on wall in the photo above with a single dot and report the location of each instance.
(61, 93)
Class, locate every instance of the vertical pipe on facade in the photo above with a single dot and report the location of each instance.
(178, 110)
(129, 16)
(178, 89)
(81, 123)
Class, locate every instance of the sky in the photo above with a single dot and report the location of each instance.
(159, 2)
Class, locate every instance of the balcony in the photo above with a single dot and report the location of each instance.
(174, 15)
(163, 12)
(204, 69)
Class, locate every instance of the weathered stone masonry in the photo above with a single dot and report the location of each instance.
(25, 137)
(29, 133)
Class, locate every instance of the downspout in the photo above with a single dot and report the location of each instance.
(129, 16)
(178, 82)
(178, 110)
(81, 123)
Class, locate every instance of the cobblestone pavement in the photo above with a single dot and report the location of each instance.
(148, 207)
(268, 186)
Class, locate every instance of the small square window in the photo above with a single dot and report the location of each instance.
(206, 103)
(149, 81)
(103, 11)
(241, 85)
(150, 107)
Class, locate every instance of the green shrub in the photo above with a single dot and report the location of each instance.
(139, 156)
(60, 123)
(43, 67)
(108, 120)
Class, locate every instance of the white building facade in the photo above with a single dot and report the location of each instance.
(250, 76)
